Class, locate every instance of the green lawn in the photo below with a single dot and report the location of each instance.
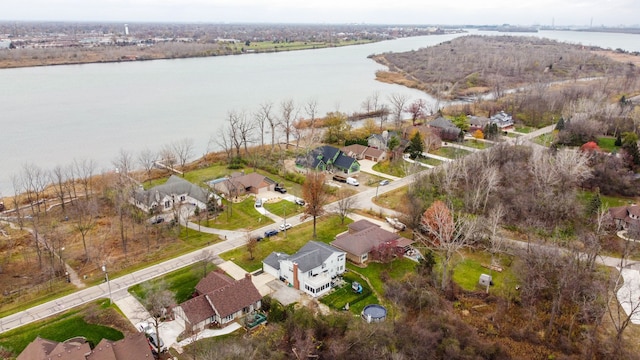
(284, 208)
(524, 129)
(181, 282)
(467, 273)
(339, 297)
(239, 216)
(609, 201)
(60, 328)
(544, 139)
(394, 168)
(449, 152)
(395, 269)
(393, 199)
(196, 239)
(607, 144)
(430, 161)
(327, 229)
(212, 172)
(477, 144)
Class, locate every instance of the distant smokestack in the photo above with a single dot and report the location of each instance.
(126, 29)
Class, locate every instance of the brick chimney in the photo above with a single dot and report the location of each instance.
(247, 276)
(296, 281)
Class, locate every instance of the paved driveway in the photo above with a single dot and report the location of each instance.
(367, 166)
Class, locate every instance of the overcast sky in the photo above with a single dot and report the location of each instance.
(520, 12)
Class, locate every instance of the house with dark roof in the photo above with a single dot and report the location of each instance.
(238, 184)
(218, 300)
(360, 152)
(172, 193)
(133, 346)
(444, 128)
(363, 237)
(328, 158)
(311, 269)
(625, 216)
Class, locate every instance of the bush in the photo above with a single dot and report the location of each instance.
(294, 177)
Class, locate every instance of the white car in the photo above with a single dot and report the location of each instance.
(146, 327)
(284, 227)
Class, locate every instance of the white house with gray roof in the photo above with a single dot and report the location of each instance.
(175, 191)
(311, 269)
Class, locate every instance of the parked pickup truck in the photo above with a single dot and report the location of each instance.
(340, 178)
(396, 224)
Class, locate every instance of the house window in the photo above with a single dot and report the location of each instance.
(228, 318)
(182, 198)
(167, 204)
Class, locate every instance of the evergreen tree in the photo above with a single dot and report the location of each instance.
(618, 141)
(560, 124)
(416, 146)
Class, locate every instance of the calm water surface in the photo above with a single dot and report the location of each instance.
(52, 115)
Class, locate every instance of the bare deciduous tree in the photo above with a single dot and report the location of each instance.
(315, 196)
(84, 170)
(265, 113)
(147, 160)
(346, 204)
(398, 102)
(183, 149)
(85, 220)
(157, 302)
(287, 116)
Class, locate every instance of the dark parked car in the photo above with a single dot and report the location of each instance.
(258, 238)
(279, 188)
(157, 220)
(269, 233)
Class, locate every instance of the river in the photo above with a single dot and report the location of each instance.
(52, 115)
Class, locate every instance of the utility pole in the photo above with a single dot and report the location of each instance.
(106, 276)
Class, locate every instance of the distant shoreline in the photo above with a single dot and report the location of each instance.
(98, 55)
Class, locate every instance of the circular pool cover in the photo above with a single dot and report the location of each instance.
(374, 313)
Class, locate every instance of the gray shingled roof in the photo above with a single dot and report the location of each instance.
(274, 258)
(442, 123)
(174, 186)
(312, 255)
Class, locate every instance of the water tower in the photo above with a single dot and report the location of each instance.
(126, 29)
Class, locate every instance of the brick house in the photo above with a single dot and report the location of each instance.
(363, 237)
(218, 300)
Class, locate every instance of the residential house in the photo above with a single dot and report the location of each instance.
(328, 158)
(311, 269)
(625, 216)
(363, 237)
(133, 346)
(175, 191)
(477, 123)
(239, 184)
(380, 141)
(445, 129)
(360, 152)
(219, 300)
(502, 119)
